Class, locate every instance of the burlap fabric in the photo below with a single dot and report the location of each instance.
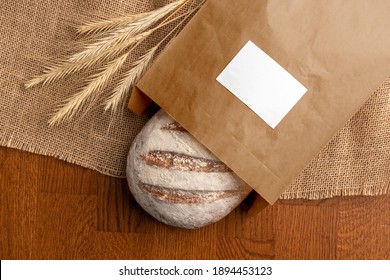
(356, 161)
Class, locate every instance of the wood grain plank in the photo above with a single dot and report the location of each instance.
(5, 212)
(124, 246)
(167, 243)
(245, 249)
(66, 178)
(364, 228)
(239, 224)
(306, 232)
(65, 226)
(117, 210)
(176, 243)
(18, 190)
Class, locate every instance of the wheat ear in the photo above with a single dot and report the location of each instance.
(96, 83)
(104, 48)
(130, 78)
(134, 23)
(101, 26)
(123, 34)
(65, 68)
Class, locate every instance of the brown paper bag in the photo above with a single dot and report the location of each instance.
(338, 49)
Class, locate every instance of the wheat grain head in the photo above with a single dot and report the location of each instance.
(88, 93)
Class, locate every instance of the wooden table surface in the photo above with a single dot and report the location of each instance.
(50, 209)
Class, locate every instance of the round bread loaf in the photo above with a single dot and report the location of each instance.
(177, 180)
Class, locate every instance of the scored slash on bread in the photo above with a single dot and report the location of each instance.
(189, 197)
(175, 126)
(177, 161)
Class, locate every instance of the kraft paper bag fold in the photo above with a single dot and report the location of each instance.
(338, 49)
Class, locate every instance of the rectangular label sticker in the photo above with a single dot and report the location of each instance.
(262, 84)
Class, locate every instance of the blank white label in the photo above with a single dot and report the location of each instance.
(262, 84)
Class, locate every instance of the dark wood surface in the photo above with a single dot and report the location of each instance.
(50, 209)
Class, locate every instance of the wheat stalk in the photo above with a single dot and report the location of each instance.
(130, 78)
(65, 68)
(96, 27)
(133, 23)
(96, 83)
(106, 47)
(120, 35)
(139, 68)
(102, 52)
